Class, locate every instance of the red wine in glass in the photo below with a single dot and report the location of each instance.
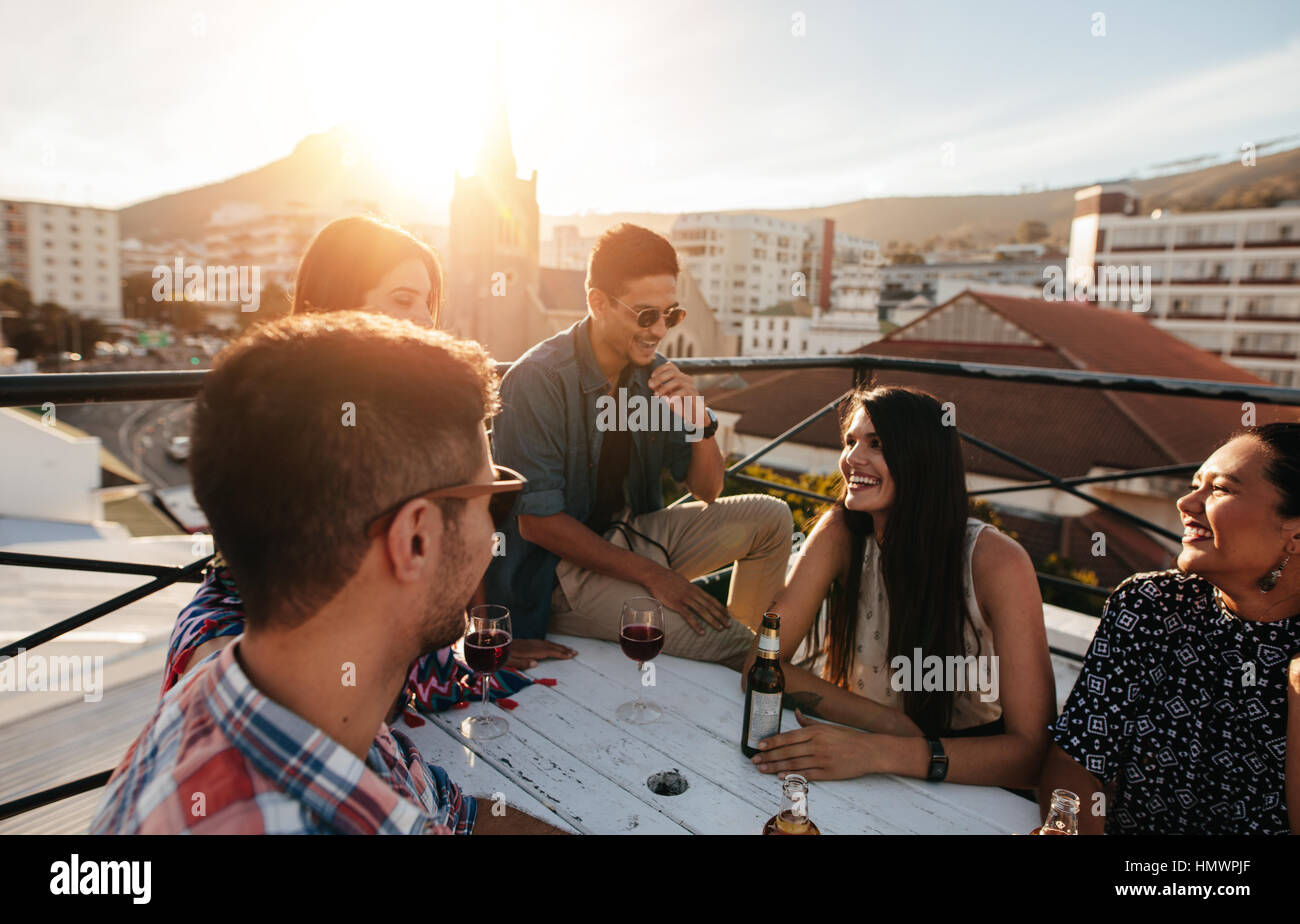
(641, 634)
(487, 651)
(641, 642)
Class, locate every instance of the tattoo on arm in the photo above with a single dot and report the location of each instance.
(805, 701)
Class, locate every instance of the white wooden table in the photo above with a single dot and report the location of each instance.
(569, 760)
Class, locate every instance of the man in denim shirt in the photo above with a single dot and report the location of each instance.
(592, 417)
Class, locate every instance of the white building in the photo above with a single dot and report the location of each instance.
(747, 264)
(1223, 281)
(566, 249)
(925, 278)
(244, 234)
(63, 254)
(138, 257)
(743, 263)
(783, 329)
(846, 313)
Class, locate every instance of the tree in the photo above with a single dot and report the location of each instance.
(1031, 232)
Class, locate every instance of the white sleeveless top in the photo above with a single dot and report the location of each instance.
(871, 673)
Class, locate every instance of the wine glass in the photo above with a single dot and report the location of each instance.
(487, 648)
(641, 635)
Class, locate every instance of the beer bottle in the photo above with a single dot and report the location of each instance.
(763, 688)
(1063, 818)
(793, 817)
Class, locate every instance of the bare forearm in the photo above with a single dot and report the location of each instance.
(705, 475)
(825, 700)
(575, 543)
(997, 760)
(1061, 771)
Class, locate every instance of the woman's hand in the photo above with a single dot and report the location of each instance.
(819, 751)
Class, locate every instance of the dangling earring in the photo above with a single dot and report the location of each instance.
(1269, 581)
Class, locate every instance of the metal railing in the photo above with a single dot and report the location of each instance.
(93, 387)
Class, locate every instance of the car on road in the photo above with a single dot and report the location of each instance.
(178, 448)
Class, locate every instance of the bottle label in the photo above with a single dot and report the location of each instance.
(769, 643)
(764, 717)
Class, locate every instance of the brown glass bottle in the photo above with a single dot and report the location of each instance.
(793, 817)
(763, 688)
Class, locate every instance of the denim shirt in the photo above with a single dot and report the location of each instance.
(547, 431)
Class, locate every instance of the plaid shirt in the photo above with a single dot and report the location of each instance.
(218, 757)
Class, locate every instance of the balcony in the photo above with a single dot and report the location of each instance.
(83, 388)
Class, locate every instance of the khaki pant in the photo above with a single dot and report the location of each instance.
(752, 530)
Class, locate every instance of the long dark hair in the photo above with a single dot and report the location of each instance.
(922, 552)
(348, 257)
(1282, 443)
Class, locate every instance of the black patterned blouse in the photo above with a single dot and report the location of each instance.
(1184, 707)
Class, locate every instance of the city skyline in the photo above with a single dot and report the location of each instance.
(674, 110)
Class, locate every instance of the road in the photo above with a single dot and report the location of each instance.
(137, 432)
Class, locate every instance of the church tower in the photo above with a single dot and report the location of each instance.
(493, 268)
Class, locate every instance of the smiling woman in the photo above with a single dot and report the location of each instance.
(1185, 718)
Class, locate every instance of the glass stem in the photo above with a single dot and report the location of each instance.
(486, 677)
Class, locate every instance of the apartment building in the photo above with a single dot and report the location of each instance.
(245, 234)
(742, 263)
(64, 254)
(1227, 282)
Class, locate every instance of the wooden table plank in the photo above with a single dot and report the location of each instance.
(709, 696)
(474, 775)
(565, 783)
(593, 735)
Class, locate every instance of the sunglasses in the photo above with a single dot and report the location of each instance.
(648, 317)
(508, 483)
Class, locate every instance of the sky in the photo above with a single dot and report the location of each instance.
(669, 107)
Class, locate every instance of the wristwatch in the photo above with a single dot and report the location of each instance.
(938, 760)
(712, 426)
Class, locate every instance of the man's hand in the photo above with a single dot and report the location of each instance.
(690, 600)
(819, 751)
(679, 390)
(526, 652)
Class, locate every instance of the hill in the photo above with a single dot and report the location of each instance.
(322, 169)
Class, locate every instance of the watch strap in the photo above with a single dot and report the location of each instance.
(712, 426)
(938, 760)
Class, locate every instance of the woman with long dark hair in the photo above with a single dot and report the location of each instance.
(934, 644)
(353, 262)
(1185, 718)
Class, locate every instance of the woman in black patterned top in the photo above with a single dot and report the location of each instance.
(1185, 718)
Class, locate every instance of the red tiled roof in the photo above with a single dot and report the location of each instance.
(1067, 431)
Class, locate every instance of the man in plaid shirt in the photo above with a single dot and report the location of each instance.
(343, 464)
